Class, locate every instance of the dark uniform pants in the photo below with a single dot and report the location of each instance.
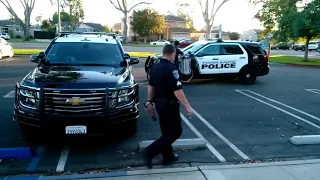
(171, 129)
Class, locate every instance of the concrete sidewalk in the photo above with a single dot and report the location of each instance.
(293, 170)
(290, 170)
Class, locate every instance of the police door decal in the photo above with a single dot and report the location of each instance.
(208, 60)
(223, 64)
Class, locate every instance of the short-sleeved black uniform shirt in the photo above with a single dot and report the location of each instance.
(164, 78)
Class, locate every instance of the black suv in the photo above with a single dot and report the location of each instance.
(82, 85)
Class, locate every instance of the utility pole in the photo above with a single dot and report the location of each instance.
(59, 18)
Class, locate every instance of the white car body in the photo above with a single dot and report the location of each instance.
(5, 49)
(160, 42)
(5, 36)
(313, 46)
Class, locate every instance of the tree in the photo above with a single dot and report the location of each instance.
(234, 35)
(107, 29)
(147, 21)
(64, 16)
(181, 12)
(290, 20)
(126, 8)
(48, 26)
(28, 6)
(39, 19)
(74, 9)
(208, 17)
(307, 24)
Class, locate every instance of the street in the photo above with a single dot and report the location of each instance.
(240, 124)
(150, 49)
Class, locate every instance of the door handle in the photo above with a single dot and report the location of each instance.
(215, 59)
(242, 57)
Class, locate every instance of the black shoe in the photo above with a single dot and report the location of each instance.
(146, 159)
(170, 160)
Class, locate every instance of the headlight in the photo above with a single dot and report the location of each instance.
(120, 98)
(29, 98)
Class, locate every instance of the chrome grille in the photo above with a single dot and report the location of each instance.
(93, 102)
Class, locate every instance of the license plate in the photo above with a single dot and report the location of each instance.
(76, 130)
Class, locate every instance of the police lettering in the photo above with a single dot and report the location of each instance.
(219, 66)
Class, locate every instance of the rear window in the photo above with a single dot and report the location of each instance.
(256, 50)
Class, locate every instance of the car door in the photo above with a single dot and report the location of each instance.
(208, 59)
(6, 48)
(232, 58)
(2, 47)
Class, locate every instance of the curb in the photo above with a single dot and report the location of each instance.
(301, 66)
(163, 171)
(306, 139)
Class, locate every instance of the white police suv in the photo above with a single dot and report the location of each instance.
(212, 59)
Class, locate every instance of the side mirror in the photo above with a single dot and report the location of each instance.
(200, 54)
(134, 60)
(126, 56)
(41, 55)
(124, 63)
(34, 59)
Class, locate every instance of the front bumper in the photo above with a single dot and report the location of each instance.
(47, 119)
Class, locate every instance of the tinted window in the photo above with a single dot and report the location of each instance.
(192, 48)
(255, 49)
(230, 50)
(84, 53)
(211, 50)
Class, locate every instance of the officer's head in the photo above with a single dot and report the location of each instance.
(169, 52)
(176, 43)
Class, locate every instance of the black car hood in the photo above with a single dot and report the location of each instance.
(76, 77)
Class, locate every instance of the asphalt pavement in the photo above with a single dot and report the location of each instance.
(240, 124)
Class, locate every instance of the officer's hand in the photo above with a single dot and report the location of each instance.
(189, 111)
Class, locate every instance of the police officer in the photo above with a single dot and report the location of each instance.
(165, 90)
(178, 52)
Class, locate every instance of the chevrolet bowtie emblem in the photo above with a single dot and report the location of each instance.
(75, 101)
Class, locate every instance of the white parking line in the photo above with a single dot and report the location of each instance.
(209, 146)
(63, 159)
(316, 91)
(11, 94)
(302, 112)
(282, 110)
(214, 130)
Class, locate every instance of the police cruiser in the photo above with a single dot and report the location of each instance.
(211, 59)
(82, 85)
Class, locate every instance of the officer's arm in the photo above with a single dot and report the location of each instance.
(176, 86)
(180, 52)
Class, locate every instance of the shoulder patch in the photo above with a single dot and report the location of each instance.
(179, 83)
(175, 74)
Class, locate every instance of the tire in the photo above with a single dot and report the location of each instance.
(166, 44)
(185, 80)
(30, 133)
(154, 44)
(248, 76)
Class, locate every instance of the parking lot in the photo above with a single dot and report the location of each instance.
(240, 123)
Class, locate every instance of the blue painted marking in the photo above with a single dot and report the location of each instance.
(35, 160)
(15, 153)
(24, 178)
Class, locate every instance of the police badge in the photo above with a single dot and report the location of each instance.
(175, 74)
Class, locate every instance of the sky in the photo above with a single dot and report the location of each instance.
(235, 15)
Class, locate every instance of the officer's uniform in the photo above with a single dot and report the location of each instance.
(165, 80)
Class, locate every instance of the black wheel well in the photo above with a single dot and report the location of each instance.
(249, 66)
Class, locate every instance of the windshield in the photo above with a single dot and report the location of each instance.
(192, 48)
(84, 54)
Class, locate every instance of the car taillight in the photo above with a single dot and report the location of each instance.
(266, 57)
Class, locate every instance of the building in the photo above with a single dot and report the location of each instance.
(201, 35)
(90, 27)
(116, 27)
(15, 31)
(251, 35)
(176, 28)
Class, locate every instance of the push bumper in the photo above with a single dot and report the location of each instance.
(96, 125)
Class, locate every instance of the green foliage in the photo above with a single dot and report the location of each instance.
(107, 29)
(234, 35)
(147, 21)
(72, 13)
(188, 18)
(48, 26)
